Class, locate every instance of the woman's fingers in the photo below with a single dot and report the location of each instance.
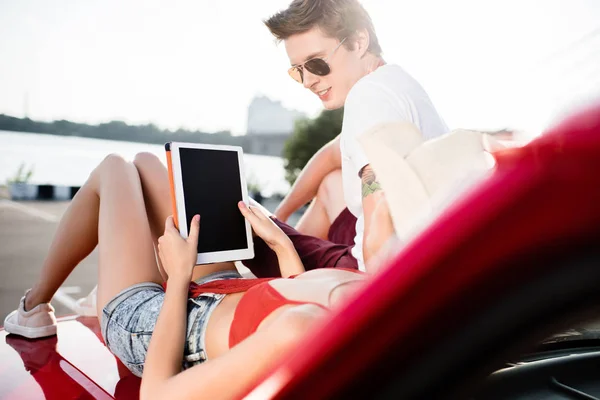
(247, 213)
(258, 212)
(194, 230)
(169, 224)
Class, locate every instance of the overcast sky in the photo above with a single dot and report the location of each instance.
(197, 64)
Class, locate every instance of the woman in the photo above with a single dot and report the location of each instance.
(112, 211)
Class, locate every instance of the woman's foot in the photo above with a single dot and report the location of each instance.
(86, 306)
(35, 323)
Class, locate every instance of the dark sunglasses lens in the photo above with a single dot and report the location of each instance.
(317, 66)
(296, 74)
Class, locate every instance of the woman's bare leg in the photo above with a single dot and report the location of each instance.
(155, 186)
(108, 210)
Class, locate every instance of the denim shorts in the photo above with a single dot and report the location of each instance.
(128, 321)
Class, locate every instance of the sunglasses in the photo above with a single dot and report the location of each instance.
(316, 66)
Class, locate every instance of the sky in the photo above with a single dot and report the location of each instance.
(197, 64)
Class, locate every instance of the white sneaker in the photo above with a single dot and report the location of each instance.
(86, 306)
(35, 323)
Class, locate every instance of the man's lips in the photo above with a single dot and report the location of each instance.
(323, 92)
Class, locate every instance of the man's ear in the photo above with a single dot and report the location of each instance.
(361, 40)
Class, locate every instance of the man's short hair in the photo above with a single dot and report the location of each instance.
(336, 18)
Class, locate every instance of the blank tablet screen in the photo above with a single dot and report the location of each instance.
(212, 188)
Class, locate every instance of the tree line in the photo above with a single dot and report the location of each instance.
(308, 137)
(117, 130)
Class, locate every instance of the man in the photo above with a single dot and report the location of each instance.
(334, 52)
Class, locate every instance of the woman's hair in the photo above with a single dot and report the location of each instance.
(336, 18)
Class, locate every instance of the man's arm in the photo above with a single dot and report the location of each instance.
(378, 227)
(326, 160)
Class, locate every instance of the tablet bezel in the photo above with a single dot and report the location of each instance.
(215, 256)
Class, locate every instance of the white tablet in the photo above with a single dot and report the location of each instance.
(209, 180)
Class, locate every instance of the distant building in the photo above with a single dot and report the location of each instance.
(266, 116)
(264, 144)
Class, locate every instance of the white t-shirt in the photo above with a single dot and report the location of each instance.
(388, 94)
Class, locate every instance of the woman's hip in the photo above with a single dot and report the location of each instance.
(128, 320)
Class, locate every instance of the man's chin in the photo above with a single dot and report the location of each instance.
(332, 105)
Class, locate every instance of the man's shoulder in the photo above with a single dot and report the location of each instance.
(387, 72)
(389, 79)
(386, 75)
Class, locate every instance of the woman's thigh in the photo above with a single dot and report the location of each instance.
(126, 254)
(155, 187)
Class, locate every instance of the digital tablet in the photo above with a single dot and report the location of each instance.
(209, 180)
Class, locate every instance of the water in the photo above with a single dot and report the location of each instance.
(68, 160)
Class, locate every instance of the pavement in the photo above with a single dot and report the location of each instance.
(26, 232)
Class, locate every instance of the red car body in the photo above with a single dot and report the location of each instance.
(73, 365)
(443, 314)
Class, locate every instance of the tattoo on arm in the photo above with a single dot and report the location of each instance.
(369, 181)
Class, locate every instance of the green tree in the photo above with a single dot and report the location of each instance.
(308, 137)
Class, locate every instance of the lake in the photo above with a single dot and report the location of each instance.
(68, 160)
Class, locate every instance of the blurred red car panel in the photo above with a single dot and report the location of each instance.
(542, 203)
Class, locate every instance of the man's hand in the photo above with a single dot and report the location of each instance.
(178, 255)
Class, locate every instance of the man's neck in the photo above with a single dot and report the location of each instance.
(372, 62)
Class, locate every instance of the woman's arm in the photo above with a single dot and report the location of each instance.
(324, 161)
(165, 351)
(289, 261)
(230, 375)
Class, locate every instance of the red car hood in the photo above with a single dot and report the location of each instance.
(76, 364)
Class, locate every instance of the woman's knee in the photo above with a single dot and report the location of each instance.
(113, 168)
(113, 162)
(145, 159)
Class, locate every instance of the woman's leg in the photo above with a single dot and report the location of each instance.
(154, 179)
(157, 198)
(108, 210)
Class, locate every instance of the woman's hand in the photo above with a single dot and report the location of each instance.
(264, 227)
(178, 255)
